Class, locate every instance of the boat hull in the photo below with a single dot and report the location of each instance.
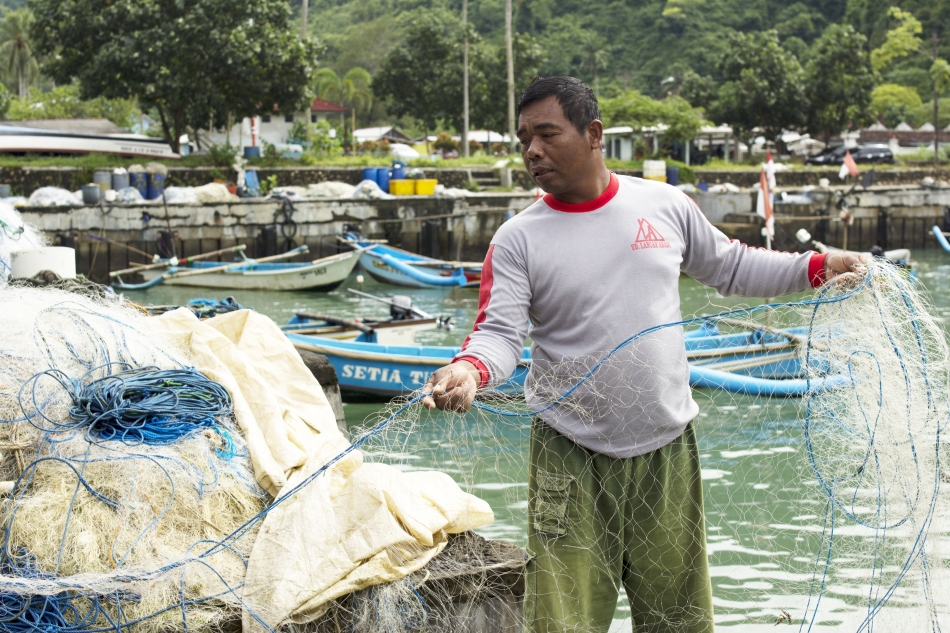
(390, 370)
(375, 263)
(754, 363)
(320, 275)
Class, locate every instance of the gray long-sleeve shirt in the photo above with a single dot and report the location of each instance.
(588, 276)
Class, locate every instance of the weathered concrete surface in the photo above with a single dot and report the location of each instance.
(25, 180)
(441, 227)
(455, 229)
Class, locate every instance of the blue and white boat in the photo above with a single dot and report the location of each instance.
(941, 238)
(760, 362)
(391, 370)
(395, 266)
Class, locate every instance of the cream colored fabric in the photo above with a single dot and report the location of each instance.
(355, 525)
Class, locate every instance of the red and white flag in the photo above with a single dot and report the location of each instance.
(848, 166)
(764, 203)
(770, 169)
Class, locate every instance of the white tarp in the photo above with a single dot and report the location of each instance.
(354, 526)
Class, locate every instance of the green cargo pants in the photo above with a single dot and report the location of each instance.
(596, 523)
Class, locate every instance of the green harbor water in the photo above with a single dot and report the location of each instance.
(764, 516)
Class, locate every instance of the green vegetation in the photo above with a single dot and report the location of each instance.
(64, 102)
(16, 50)
(193, 62)
(838, 82)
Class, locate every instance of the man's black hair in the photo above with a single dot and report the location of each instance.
(576, 98)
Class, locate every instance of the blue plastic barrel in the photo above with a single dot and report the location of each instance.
(369, 173)
(382, 178)
(398, 171)
(156, 185)
(673, 176)
(139, 180)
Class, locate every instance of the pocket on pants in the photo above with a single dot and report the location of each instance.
(550, 514)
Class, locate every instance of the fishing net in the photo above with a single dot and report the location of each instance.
(835, 520)
(822, 510)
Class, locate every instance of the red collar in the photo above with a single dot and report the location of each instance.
(590, 205)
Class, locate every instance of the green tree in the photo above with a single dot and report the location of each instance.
(893, 103)
(423, 77)
(65, 102)
(351, 91)
(193, 62)
(17, 50)
(763, 87)
(839, 82)
(490, 83)
(596, 57)
(639, 111)
(904, 40)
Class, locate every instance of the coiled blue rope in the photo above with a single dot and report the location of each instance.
(145, 405)
(149, 405)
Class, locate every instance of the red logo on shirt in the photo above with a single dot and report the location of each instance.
(648, 237)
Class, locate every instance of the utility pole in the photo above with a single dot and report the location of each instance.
(464, 79)
(511, 77)
(936, 55)
(303, 36)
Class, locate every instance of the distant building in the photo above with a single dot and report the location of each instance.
(275, 128)
(388, 132)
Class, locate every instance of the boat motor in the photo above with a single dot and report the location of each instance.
(401, 308)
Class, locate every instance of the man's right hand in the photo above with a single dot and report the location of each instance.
(453, 387)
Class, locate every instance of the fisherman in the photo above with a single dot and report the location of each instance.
(615, 493)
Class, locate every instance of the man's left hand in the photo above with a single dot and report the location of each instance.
(844, 265)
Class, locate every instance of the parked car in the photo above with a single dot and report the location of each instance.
(873, 154)
(831, 156)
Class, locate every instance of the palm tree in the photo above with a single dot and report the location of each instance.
(15, 47)
(596, 56)
(351, 91)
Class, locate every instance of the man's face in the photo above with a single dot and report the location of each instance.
(555, 154)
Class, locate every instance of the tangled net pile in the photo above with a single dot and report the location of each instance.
(103, 531)
(109, 524)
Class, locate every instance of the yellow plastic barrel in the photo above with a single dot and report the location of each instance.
(402, 187)
(426, 186)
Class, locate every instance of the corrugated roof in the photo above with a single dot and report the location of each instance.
(322, 105)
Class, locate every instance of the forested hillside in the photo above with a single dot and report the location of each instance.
(625, 43)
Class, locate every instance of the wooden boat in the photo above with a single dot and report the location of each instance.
(369, 330)
(30, 140)
(763, 361)
(391, 370)
(941, 238)
(261, 274)
(395, 266)
(899, 256)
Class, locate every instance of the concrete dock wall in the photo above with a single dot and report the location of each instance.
(457, 229)
(440, 227)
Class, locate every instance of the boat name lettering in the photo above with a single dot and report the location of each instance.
(379, 374)
(318, 271)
